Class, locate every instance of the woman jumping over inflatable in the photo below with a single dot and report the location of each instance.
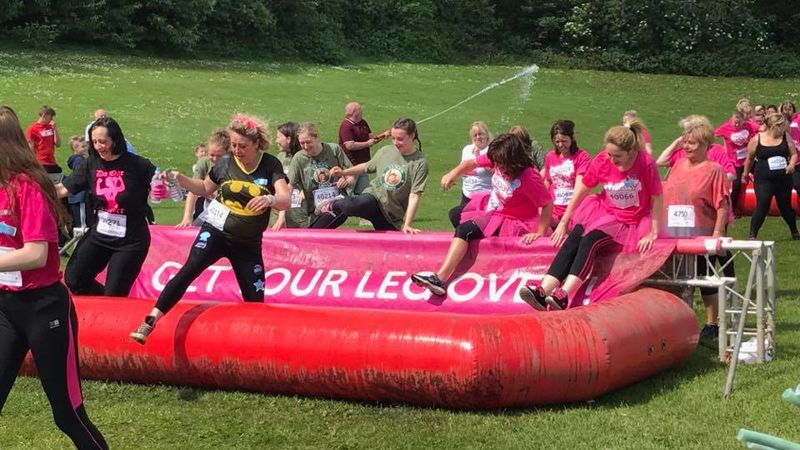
(250, 182)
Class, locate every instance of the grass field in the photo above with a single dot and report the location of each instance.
(165, 107)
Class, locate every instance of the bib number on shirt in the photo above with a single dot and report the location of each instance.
(216, 214)
(741, 153)
(562, 196)
(320, 195)
(113, 225)
(10, 278)
(295, 198)
(777, 162)
(680, 216)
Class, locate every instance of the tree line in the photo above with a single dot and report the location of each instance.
(724, 37)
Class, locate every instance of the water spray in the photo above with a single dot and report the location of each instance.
(526, 72)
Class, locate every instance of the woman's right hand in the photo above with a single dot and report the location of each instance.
(336, 171)
(560, 234)
(184, 222)
(448, 180)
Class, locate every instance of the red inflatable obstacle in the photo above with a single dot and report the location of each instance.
(747, 202)
(428, 359)
(343, 320)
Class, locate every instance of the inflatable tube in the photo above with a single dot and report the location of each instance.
(747, 203)
(427, 359)
(343, 320)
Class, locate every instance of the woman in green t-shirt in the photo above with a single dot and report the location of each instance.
(391, 200)
(288, 146)
(310, 171)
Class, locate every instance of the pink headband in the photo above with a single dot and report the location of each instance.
(248, 122)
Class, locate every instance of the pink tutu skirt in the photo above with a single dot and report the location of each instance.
(494, 222)
(591, 214)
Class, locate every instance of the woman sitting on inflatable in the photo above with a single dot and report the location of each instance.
(624, 214)
(510, 209)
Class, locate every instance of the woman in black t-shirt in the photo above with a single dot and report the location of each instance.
(249, 183)
(118, 183)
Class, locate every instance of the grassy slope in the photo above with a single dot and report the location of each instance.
(166, 107)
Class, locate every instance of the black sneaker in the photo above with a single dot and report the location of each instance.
(534, 296)
(429, 282)
(709, 335)
(557, 300)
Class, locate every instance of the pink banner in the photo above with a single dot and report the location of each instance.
(368, 269)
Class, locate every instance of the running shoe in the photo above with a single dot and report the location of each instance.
(557, 300)
(796, 236)
(534, 296)
(324, 207)
(709, 335)
(142, 331)
(429, 282)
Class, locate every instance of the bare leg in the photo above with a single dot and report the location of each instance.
(458, 249)
(549, 284)
(572, 284)
(712, 308)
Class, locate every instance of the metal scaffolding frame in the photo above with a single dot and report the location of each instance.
(757, 300)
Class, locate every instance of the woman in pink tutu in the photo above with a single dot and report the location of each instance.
(563, 166)
(512, 208)
(624, 215)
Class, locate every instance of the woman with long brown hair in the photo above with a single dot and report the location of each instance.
(36, 311)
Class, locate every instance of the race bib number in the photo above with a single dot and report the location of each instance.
(295, 198)
(777, 163)
(10, 278)
(320, 195)
(680, 216)
(113, 225)
(741, 153)
(562, 196)
(216, 214)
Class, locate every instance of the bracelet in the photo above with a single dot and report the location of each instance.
(270, 200)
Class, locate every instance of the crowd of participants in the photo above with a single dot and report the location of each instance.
(238, 189)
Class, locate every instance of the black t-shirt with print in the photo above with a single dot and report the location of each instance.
(119, 191)
(237, 187)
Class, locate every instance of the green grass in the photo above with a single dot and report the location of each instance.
(167, 106)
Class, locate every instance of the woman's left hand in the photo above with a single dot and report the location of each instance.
(790, 168)
(646, 243)
(530, 237)
(260, 203)
(408, 229)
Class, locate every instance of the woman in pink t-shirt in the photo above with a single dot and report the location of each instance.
(564, 165)
(511, 208)
(36, 311)
(790, 112)
(736, 133)
(624, 214)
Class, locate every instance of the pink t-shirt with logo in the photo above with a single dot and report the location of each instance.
(736, 140)
(31, 220)
(625, 195)
(519, 198)
(560, 173)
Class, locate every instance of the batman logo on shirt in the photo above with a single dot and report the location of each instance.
(236, 194)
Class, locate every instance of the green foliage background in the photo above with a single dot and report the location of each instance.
(695, 37)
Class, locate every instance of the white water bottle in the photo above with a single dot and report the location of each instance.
(175, 191)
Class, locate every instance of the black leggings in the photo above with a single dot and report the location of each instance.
(365, 206)
(702, 269)
(766, 188)
(455, 212)
(736, 189)
(209, 246)
(44, 321)
(90, 258)
(577, 254)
